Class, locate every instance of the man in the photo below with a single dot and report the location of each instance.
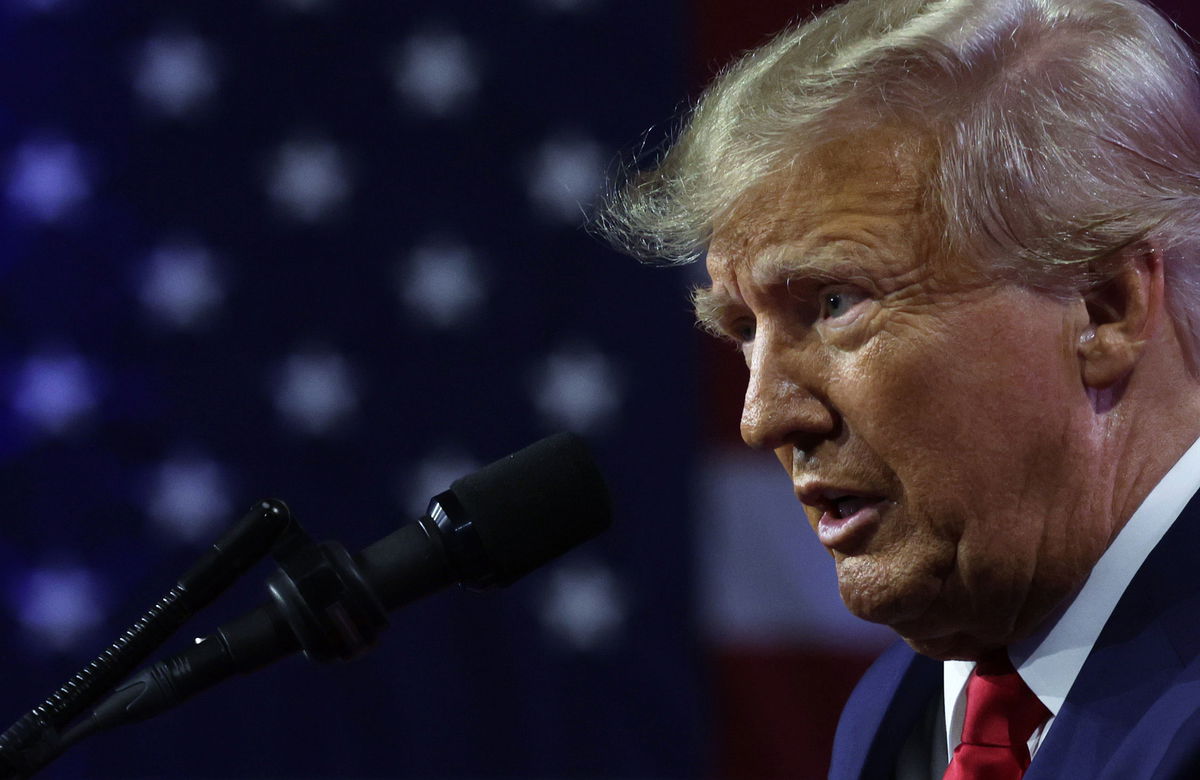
(958, 244)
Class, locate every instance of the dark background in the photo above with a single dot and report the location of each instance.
(226, 233)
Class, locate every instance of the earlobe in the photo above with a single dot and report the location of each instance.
(1124, 313)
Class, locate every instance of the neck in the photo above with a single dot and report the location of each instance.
(1143, 426)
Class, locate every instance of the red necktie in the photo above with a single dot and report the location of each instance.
(1002, 713)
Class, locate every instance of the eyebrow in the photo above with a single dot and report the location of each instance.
(714, 309)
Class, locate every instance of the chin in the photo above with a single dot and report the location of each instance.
(919, 617)
(956, 647)
(949, 637)
(870, 592)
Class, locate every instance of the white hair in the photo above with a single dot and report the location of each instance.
(1065, 130)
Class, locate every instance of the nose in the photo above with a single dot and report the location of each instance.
(784, 405)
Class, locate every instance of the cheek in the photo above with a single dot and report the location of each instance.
(901, 582)
(972, 440)
(951, 407)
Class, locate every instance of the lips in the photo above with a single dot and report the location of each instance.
(849, 517)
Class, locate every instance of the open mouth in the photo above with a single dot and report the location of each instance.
(847, 506)
(848, 520)
(838, 504)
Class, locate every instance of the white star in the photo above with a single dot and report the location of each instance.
(436, 72)
(175, 74)
(189, 498)
(433, 475)
(566, 176)
(47, 180)
(55, 391)
(316, 392)
(583, 605)
(58, 605)
(309, 180)
(181, 285)
(441, 284)
(576, 389)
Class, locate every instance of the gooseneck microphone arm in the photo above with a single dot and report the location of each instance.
(32, 741)
(489, 529)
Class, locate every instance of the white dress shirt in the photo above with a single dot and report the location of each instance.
(1050, 660)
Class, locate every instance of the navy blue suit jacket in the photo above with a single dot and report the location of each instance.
(1133, 712)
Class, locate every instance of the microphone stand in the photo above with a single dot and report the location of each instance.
(489, 529)
(35, 739)
(321, 603)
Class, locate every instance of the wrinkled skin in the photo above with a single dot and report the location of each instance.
(972, 410)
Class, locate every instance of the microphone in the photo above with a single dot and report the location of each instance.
(488, 530)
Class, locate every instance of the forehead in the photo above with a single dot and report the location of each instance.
(866, 186)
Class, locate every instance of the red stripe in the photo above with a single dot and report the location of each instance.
(777, 710)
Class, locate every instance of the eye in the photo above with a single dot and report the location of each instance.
(743, 331)
(839, 301)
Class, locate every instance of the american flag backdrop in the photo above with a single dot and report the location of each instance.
(331, 251)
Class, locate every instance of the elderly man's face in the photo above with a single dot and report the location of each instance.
(933, 420)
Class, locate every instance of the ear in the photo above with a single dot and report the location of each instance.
(1123, 315)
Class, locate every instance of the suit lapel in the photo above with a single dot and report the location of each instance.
(887, 705)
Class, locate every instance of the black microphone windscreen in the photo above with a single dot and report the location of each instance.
(555, 490)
